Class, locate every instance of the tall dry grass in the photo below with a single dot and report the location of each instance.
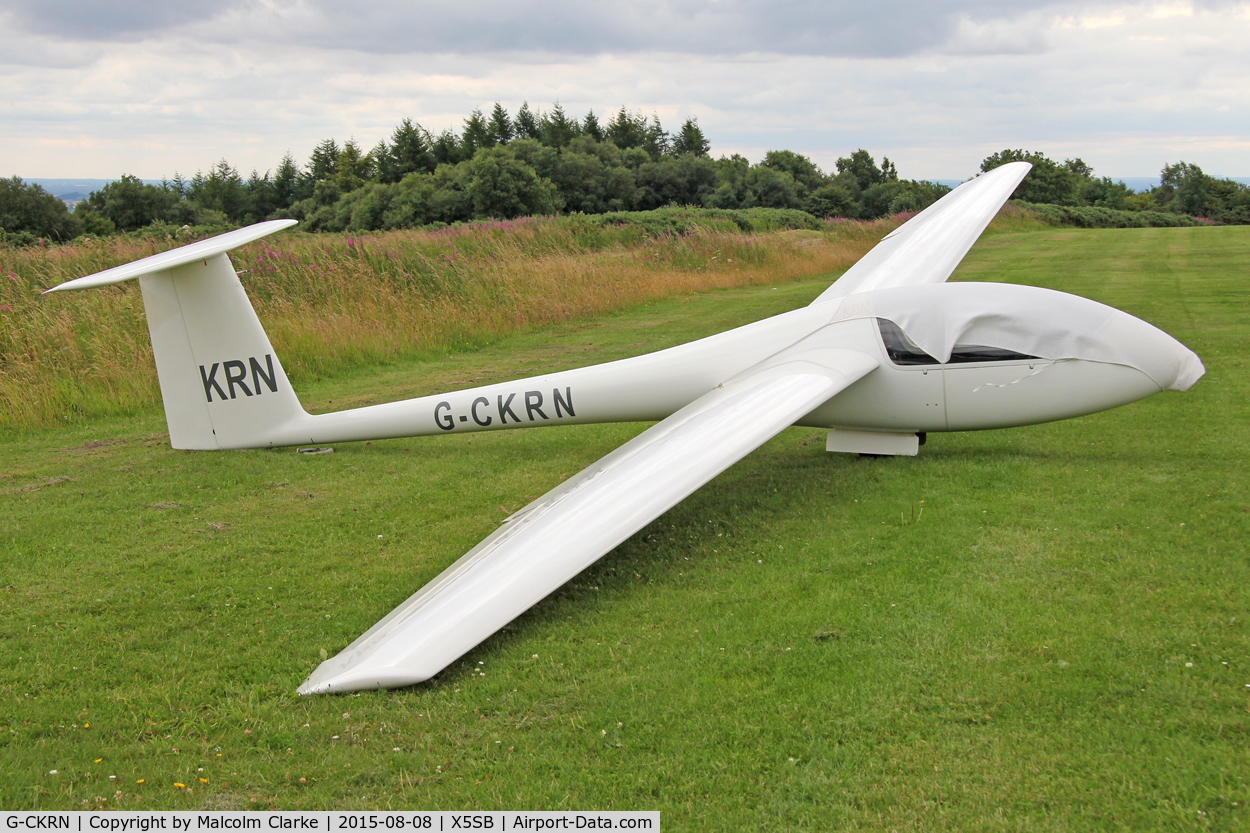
(329, 302)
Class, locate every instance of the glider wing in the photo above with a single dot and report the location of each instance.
(557, 536)
(928, 247)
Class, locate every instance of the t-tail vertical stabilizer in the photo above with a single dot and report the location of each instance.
(221, 381)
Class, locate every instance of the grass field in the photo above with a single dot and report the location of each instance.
(1041, 628)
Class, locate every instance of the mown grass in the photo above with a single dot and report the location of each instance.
(331, 302)
(1034, 629)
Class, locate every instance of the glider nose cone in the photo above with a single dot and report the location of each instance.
(1190, 369)
(1171, 365)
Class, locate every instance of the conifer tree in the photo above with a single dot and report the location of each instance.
(690, 140)
(353, 167)
(324, 159)
(221, 190)
(657, 138)
(591, 127)
(627, 131)
(526, 124)
(557, 128)
(409, 151)
(446, 149)
(500, 126)
(284, 182)
(260, 196)
(475, 135)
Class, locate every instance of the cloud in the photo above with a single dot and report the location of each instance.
(828, 28)
(564, 27)
(1127, 87)
(18, 48)
(107, 21)
(1023, 35)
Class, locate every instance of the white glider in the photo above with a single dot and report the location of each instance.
(887, 354)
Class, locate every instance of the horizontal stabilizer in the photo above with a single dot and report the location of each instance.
(181, 256)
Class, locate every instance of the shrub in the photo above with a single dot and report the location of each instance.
(681, 220)
(27, 212)
(129, 204)
(502, 186)
(1096, 217)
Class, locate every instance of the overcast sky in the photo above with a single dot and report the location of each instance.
(93, 88)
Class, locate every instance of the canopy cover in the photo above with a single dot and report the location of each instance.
(1029, 320)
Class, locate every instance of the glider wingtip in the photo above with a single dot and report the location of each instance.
(322, 679)
(332, 678)
(308, 687)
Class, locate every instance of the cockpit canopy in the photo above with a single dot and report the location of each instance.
(906, 353)
(981, 322)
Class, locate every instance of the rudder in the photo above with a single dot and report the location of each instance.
(221, 381)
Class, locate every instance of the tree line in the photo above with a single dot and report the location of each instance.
(1183, 189)
(506, 165)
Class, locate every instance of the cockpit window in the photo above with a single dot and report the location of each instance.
(964, 353)
(901, 349)
(905, 353)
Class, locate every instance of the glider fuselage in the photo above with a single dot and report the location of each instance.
(894, 398)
